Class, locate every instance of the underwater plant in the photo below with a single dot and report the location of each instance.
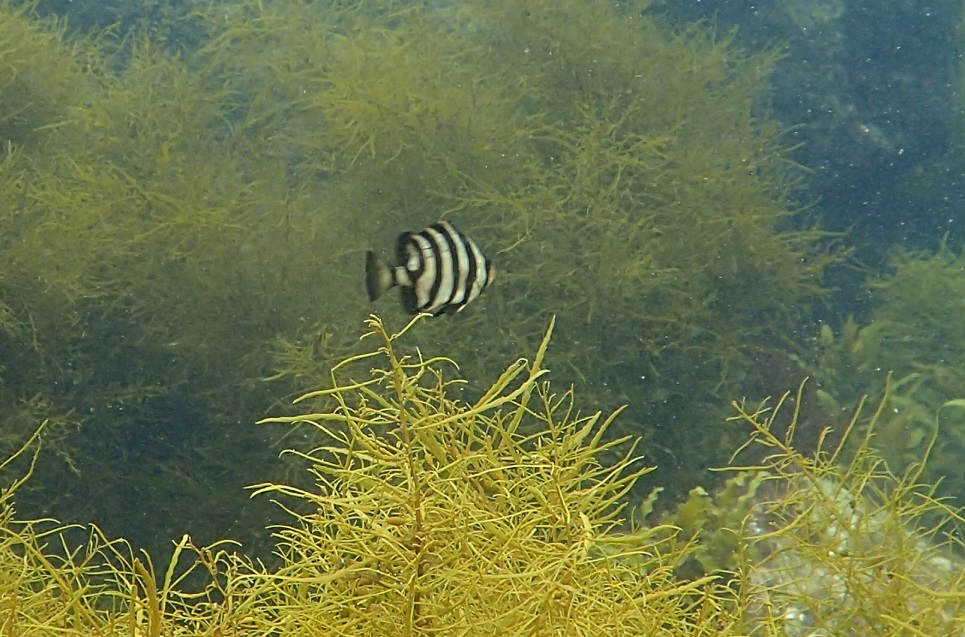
(912, 334)
(43, 75)
(835, 542)
(187, 228)
(433, 515)
(430, 514)
(135, 300)
(625, 178)
(71, 580)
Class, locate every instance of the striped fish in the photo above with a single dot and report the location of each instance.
(439, 270)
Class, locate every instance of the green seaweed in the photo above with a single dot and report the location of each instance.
(843, 544)
(42, 75)
(826, 542)
(429, 514)
(184, 230)
(913, 333)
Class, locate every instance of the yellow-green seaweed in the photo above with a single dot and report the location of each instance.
(433, 515)
(843, 544)
(184, 231)
(914, 334)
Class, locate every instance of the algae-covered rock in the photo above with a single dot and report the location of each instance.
(830, 543)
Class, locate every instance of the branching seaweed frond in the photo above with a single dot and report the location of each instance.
(841, 544)
(434, 516)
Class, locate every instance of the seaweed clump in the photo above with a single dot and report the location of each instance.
(913, 334)
(833, 543)
(184, 233)
(430, 515)
(135, 229)
(629, 180)
(435, 516)
(842, 544)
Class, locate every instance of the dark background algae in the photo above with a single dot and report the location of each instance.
(702, 193)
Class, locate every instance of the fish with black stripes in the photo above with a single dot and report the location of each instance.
(438, 270)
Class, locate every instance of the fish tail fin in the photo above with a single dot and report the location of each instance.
(379, 277)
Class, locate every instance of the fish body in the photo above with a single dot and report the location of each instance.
(438, 270)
